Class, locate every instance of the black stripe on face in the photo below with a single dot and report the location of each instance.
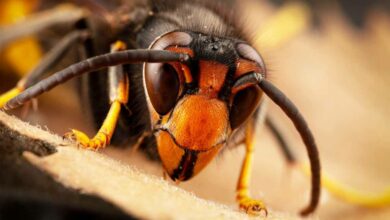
(225, 91)
(221, 50)
(186, 166)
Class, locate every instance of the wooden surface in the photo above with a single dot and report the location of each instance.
(26, 192)
(91, 173)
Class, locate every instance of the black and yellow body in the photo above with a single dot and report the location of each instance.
(178, 79)
(189, 111)
(182, 113)
(152, 22)
(183, 79)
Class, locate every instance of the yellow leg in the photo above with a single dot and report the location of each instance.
(119, 89)
(246, 203)
(335, 188)
(351, 195)
(103, 137)
(4, 98)
(10, 12)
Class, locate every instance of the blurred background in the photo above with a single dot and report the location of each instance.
(330, 57)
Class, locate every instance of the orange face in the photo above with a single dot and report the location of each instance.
(191, 108)
(193, 135)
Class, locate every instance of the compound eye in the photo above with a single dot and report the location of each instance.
(162, 84)
(244, 104)
(248, 52)
(175, 38)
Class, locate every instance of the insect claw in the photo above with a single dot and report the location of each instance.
(253, 207)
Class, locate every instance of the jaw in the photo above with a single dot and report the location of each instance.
(192, 135)
(182, 163)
